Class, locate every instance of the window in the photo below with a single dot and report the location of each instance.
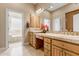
(56, 24)
(47, 22)
(76, 23)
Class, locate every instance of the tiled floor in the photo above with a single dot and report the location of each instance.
(18, 50)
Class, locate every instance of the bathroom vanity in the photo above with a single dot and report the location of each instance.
(55, 44)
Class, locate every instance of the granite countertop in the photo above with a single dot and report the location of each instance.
(63, 37)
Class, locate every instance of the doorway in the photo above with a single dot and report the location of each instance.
(14, 27)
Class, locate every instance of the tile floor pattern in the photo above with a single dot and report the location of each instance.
(18, 50)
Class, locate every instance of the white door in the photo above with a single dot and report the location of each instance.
(14, 26)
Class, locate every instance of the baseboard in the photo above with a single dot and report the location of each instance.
(2, 48)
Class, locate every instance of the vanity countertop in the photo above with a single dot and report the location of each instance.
(63, 37)
(35, 30)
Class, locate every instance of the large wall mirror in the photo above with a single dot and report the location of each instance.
(76, 22)
(57, 24)
(46, 21)
(72, 21)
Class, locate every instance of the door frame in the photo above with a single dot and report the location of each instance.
(7, 25)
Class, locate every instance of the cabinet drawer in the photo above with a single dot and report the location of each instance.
(31, 42)
(56, 51)
(68, 53)
(30, 34)
(47, 52)
(30, 38)
(34, 45)
(47, 40)
(71, 47)
(47, 45)
(34, 40)
(57, 43)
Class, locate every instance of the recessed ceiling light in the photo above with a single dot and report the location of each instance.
(51, 6)
(40, 10)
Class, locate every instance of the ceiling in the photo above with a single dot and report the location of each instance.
(56, 6)
(47, 5)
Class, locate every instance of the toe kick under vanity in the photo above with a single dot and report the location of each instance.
(55, 44)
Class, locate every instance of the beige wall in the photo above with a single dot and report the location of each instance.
(26, 8)
(61, 13)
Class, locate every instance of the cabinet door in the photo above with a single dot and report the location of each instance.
(47, 45)
(30, 40)
(47, 49)
(35, 21)
(47, 52)
(33, 40)
(56, 51)
(47, 40)
(68, 53)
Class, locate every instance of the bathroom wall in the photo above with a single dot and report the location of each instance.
(25, 8)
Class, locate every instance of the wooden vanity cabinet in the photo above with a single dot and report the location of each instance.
(32, 39)
(56, 51)
(56, 48)
(62, 48)
(68, 53)
(47, 47)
